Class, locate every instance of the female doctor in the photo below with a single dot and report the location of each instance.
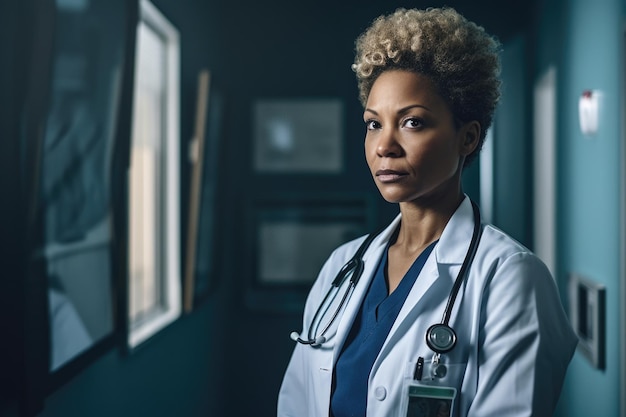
(438, 314)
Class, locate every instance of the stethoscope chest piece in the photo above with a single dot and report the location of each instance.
(440, 338)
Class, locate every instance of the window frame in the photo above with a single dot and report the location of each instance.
(141, 330)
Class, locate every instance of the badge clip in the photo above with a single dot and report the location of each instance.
(419, 369)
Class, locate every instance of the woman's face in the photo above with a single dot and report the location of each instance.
(412, 147)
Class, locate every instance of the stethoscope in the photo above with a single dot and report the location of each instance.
(440, 337)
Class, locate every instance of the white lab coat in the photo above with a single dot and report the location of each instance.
(514, 341)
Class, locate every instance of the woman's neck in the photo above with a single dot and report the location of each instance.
(423, 223)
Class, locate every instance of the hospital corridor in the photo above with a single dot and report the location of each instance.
(187, 186)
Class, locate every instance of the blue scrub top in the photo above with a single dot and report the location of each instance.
(371, 326)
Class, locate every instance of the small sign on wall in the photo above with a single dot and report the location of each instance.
(588, 316)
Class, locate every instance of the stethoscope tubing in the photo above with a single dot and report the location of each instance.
(355, 266)
(467, 262)
(440, 337)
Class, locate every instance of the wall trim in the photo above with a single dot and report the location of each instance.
(622, 244)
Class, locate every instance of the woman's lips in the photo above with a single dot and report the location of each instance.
(389, 175)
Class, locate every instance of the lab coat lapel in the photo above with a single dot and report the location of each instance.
(371, 258)
(445, 261)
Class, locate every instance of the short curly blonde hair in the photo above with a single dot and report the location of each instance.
(459, 57)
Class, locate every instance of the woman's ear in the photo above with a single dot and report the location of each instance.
(470, 134)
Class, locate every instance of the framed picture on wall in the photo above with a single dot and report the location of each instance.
(292, 245)
(79, 213)
(291, 238)
(298, 136)
(200, 261)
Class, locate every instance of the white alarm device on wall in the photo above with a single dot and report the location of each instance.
(589, 111)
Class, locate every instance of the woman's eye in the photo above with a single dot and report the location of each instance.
(372, 125)
(413, 123)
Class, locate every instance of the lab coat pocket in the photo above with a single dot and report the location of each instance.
(431, 389)
(320, 374)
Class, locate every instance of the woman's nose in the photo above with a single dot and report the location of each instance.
(388, 145)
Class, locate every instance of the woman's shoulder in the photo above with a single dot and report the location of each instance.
(500, 239)
(367, 245)
(347, 249)
(497, 246)
(501, 244)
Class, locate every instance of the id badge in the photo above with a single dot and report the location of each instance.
(430, 401)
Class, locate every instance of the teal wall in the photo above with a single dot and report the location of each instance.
(583, 40)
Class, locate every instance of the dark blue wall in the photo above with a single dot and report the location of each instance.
(177, 373)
